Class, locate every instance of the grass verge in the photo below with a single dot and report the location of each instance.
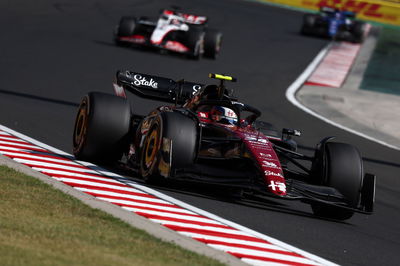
(40, 225)
(383, 71)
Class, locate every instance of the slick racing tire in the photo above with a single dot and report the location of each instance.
(358, 32)
(101, 128)
(181, 133)
(309, 24)
(212, 43)
(344, 172)
(126, 27)
(195, 41)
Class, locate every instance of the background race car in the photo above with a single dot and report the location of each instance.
(173, 31)
(206, 136)
(335, 24)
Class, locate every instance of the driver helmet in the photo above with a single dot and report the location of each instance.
(223, 115)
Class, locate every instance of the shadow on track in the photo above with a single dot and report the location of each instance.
(150, 50)
(38, 98)
(214, 192)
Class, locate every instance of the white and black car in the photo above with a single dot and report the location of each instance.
(173, 31)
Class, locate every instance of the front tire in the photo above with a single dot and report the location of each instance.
(343, 170)
(101, 128)
(125, 28)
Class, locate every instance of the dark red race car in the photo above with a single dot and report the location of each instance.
(173, 31)
(205, 135)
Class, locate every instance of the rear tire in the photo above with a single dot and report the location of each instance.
(344, 172)
(358, 32)
(183, 133)
(101, 128)
(212, 43)
(195, 40)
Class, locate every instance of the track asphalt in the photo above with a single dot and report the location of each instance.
(53, 52)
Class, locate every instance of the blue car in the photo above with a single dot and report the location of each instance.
(335, 24)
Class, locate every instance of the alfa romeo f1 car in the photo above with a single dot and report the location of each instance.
(173, 31)
(335, 24)
(205, 135)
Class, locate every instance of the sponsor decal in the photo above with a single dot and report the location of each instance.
(276, 185)
(265, 155)
(196, 88)
(202, 115)
(380, 11)
(368, 9)
(238, 103)
(269, 164)
(194, 19)
(271, 173)
(142, 81)
(254, 140)
(175, 46)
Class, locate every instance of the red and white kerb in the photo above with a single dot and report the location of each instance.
(249, 246)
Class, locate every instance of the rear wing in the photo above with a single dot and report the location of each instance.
(194, 19)
(188, 18)
(154, 87)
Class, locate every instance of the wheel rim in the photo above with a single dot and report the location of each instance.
(80, 129)
(151, 149)
(218, 45)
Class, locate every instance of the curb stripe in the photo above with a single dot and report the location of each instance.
(220, 243)
(284, 262)
(160, 219)
(127, 192)
(213, 231)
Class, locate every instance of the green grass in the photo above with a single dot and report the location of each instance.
(383, 71)
(40, 225)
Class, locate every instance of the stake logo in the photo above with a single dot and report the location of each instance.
(142, 81)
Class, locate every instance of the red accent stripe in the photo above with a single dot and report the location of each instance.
(158, 210)
(47, 155)
(213, 233)
(316, 84)
(13, 140)
(114, 190)
(215, 242)
(164, 218)
(286, 262)
(43, 160)
(84, 179)
(133, 200)
(23, 148)
(68, 170)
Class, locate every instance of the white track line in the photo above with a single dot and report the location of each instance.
(296, 85)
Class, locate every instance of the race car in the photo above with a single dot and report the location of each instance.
(173, 31)
(334, 24)
(203, 134)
